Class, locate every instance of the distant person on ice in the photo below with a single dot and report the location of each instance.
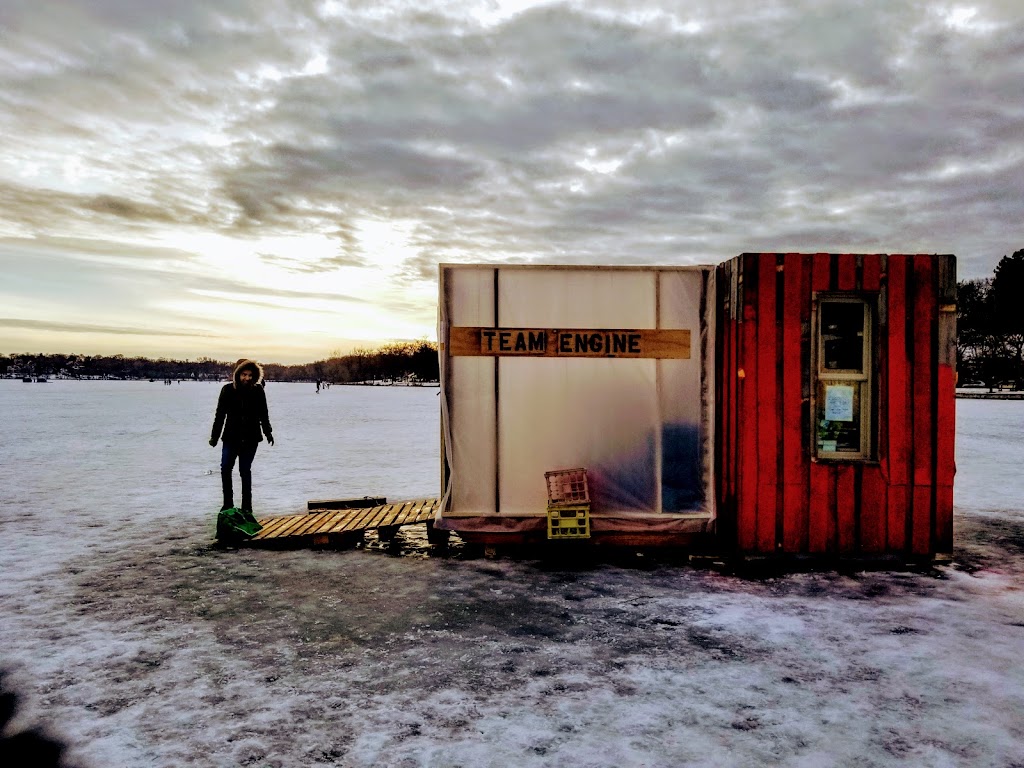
(242, 413)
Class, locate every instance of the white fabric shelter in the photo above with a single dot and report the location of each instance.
(641, 425)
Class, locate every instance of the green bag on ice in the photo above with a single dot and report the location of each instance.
(235, 523)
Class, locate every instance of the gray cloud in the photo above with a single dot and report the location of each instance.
(47, 211)
(56, 245)
(98, 275)
(596, 132)
(43, 325)
(306, 267)
(219, 285)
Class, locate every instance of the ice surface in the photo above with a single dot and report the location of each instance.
(134, 640)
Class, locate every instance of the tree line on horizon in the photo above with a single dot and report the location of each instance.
(410, 361)
(990, 326)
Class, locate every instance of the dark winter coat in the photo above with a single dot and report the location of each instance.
(242, 409)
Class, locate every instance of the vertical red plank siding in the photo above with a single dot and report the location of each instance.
(873, 496)
(873, 508)
(872, 272)
(767, 404)
(796, 302)
(883, 372)
(945, 412)
(846, 513)
(806, 336)
(944, 460)
(944, 519)
(924, 367)
(898, 412)
(921, 524)
(747, 420)
(847, 272)
(820, 269)
(822, 491)
(733, 385)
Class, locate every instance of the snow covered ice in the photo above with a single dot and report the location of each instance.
(137, 643)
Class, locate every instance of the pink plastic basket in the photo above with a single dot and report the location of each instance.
(567, 486)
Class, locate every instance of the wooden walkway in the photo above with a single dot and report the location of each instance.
(342, 527)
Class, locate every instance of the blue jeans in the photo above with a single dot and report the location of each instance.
(245, 453)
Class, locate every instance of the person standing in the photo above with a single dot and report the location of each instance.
(241, 422)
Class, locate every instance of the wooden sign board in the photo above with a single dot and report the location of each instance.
(574, 342)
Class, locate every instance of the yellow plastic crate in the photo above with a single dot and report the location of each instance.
(567, 487)
(569, 522)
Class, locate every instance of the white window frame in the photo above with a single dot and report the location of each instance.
(863, 380)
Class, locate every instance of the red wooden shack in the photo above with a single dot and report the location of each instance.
(836, 404)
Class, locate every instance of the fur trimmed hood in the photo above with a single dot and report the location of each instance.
(252, 365)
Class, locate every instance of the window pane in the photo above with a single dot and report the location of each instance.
(839, 417)
(842, 336)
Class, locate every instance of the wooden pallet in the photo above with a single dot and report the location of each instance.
(326, 527)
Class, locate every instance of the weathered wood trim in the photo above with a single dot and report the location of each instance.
(634, 343)
(497, 399)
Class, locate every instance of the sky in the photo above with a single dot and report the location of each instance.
(280, 178)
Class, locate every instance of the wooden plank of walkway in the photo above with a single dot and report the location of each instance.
(323, 526)
(362, 521)
(379, 514)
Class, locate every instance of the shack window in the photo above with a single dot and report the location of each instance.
(844, 377)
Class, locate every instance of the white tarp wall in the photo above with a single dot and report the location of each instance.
(641, 427)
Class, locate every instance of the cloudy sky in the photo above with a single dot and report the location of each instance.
(280, 178)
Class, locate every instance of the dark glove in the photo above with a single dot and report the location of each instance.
(213, 441)
(270, 439)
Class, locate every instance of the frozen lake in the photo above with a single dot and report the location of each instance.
(990, 457)
(93, 445)
(140, 645)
